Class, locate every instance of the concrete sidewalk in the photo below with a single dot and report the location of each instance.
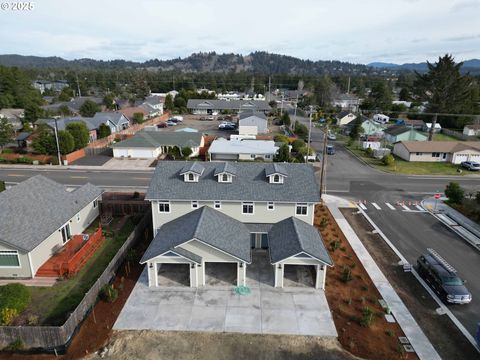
(412, 330)
(72, 167)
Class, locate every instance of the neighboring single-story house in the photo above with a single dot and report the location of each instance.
(74, 104)
(92, 125)
(222, 149)
(371, 128)
(398, 133)
(38, 217)
(428, 126)
(24, 139)
(151, 144)
(345, 117)
(472, 130)
(348, 102)
(208, 106)
(14, 117)
(413, 123)
(454, 152)
(211, 213)
(129, 112)
(252, 124)
(120, 121)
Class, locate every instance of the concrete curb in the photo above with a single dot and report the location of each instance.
(444, 308)
(422, 346)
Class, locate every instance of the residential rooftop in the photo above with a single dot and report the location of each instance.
(155, 139)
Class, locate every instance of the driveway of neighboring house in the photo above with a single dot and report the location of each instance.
(266, 310)
(127, 164)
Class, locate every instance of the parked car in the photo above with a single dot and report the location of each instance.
(330, 150)
(210, 118)
(162, 125)
(471, 165)
(173, 120)
(331, 136)
(178, 118)
(171, 123)
(443, 278)
(227, 126)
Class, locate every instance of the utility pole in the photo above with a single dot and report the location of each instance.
(432, 129)
(78, 87)
(296, 105)
(269, 88)
(309, 131)
(324, 164)
(58, 146)
(281, 106)
(348, 86)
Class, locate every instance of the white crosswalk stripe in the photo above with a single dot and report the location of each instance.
(390, 206)
(405, 207)
(363, 207)
(419, 208)
(376, 206)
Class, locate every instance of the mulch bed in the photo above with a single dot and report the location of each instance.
(349, 299)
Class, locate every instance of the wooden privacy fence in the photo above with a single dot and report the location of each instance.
(50, 337)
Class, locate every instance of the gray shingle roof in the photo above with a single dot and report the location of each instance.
(36, 208)
(207, 225)
(275, 168)
(226, 168)
(62, 123)
(256, 105)
(250, 184)
(397, 129)
(248, 113)
(193, 167)
(115, 117)
(292, 236)
(155, 139)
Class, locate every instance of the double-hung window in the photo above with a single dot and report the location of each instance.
(164, 206)
(9, 258)
(301, 209)
(247, 208)
(270, 205)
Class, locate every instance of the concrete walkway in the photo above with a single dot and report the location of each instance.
(412, 330)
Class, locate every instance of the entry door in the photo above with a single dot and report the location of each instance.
(264, 241)
(66, 233)
(252, 241)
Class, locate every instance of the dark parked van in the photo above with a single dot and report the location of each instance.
(330, 150)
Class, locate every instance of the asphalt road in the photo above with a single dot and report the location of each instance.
(413, 232)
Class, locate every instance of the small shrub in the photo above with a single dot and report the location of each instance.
(109, 293)
(7, 151)
(334, 245)
(14, 296)
(367, 317)
(21, 151)
(388, 160)
(323, 223)
(24, 160)
(390, 333)
(369, 152)
(7, 315)
(15, 345)
(346, 274)
(32, 320)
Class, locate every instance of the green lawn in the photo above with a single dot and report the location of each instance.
(443, 137)
(410, 168)
(52, 304)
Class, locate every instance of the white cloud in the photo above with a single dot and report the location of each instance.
(356, 31)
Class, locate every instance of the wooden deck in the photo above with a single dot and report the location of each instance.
(71, 257)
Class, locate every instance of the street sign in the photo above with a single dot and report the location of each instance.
(437, 196)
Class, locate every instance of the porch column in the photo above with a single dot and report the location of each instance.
(321, 272)
(241, 274)
(155, 275)
(278, 269)
(193, 275)
(201, 274)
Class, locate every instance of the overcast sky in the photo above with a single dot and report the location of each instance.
(358, 31)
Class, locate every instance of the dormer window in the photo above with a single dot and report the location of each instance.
(276, 179)
(190, 177)
(225, 173)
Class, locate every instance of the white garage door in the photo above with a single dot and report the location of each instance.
(475, 157)
(459, 158)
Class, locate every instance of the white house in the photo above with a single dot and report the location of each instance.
(471, 130)
(453, 152)
(348, 102)
(214, 214)
(344, 118)
(252, 123)
(151, 144)
(222, 149)
(38, 217)
(381, 119)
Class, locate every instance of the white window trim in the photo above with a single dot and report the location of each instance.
(248, 203)
(221, 175)
(297, 205)
(187, 175)
(164, 202)
(95, 203)
(11, 252)
(270, 203)
(217, 204)
(194, 204)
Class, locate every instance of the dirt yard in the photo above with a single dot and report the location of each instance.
(443, 334)
(226, 346)
(353, 300)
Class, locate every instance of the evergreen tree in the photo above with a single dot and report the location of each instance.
(169, 106)
(65, 142)
(6, 132)
(283, 154)
(89, 108)
(104, 131)
(79, 132)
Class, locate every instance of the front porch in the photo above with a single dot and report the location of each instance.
(72, 256)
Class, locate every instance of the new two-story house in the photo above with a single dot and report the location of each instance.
(207, 213)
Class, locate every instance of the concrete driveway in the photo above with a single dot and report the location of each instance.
(266, 310)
